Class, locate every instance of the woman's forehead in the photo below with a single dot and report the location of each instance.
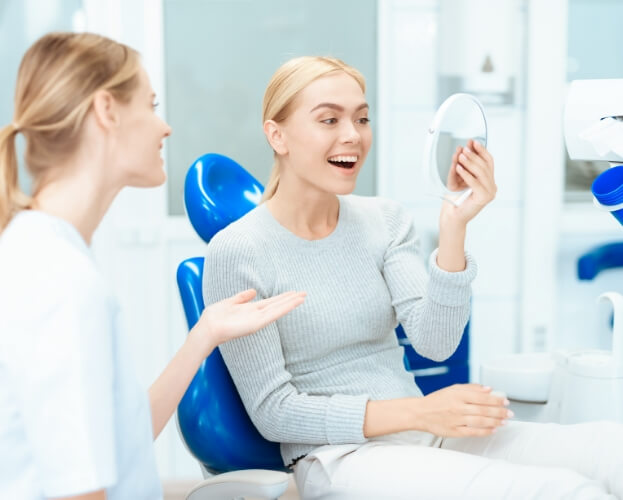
(334, 90)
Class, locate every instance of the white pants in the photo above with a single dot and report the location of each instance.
(520, 461)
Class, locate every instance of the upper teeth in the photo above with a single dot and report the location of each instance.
(344, 158)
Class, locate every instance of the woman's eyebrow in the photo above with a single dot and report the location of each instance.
(337, 107)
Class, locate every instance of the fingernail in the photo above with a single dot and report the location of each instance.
(510, 414)
(462, 156)
(486, 387)
(503, 422)
(506, 402)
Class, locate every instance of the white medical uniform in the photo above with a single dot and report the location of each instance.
(73, 418)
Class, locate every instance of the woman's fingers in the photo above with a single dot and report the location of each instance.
(468, 178)
(483, 188)
(497, 412)
(482, 151)
(477, 166)
(483, 422)
(466, 431)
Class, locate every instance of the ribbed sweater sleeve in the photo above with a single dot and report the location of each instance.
(257, 365)
(432, 308)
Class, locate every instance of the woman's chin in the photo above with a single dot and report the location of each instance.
(154, 180)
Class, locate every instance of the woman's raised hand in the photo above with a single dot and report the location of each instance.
(461, 410)
(238, 316)
(472, 166)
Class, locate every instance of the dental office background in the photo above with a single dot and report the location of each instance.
(209, 62)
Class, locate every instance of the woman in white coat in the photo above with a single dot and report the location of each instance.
(73, 420)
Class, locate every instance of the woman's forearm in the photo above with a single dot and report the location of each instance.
(169, 388)
(389, 416)
(458, 410)
(451, 253)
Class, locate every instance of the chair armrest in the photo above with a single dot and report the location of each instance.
(251, 482)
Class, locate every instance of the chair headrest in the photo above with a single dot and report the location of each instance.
(218, 191)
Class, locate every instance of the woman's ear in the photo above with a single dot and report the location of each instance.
(275, 137)
(105, 109)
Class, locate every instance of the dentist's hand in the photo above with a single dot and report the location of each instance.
(462, 410)
(472, 166)
(222, 321)
(238, 316)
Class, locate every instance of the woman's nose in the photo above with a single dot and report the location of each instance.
(350, 134)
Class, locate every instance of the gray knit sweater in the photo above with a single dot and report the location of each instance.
(305, 379)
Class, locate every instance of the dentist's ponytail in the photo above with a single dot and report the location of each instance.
(11, 197)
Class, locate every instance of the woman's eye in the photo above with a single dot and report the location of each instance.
(330, 121)
(154, 105)
(363, 121)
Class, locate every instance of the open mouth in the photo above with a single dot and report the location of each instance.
(343, 161)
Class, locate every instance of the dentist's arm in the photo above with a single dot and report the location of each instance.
(222, 321)
(474, 165)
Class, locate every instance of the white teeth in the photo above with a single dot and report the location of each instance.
(351, 159)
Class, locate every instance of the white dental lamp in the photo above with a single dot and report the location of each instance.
(593, 120)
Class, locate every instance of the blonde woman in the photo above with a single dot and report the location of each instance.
(327, 381)
(73, 420)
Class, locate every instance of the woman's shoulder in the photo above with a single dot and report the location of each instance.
(242, 236)
(378, 210)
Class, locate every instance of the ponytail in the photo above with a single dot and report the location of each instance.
(12, 199)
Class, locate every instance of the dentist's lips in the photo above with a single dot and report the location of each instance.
(343, 161)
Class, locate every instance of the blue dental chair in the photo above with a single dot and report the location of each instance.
(212, 420)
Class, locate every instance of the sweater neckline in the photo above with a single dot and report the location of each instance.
(290, 236)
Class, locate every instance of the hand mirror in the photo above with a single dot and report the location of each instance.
(459, 118)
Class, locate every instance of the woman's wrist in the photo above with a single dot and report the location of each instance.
(451, 253)
(392, 415)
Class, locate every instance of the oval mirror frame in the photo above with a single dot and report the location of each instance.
(445, 122)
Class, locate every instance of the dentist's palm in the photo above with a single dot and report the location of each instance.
(238, 316)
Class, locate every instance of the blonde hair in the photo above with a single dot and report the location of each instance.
(286, 84)
(56, 81)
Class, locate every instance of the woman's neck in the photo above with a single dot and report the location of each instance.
(79, 197)
(310, 215)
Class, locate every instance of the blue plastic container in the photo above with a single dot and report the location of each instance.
(607, 190)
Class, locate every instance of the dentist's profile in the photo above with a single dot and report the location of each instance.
(74, 421)
(327, 381)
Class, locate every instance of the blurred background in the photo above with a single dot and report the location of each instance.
(209, 62)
